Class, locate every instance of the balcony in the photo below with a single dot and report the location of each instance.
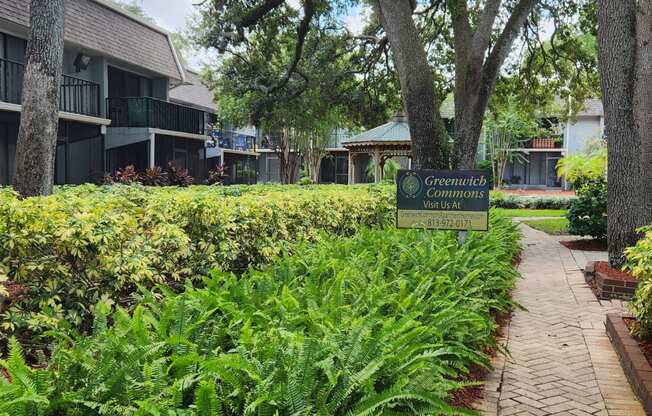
(154, 113)
(234, 141)
(76, 96)
(544, 143)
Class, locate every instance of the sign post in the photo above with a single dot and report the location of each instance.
(443, 200)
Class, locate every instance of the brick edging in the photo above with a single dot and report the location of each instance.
(608, 288)
(634, 364)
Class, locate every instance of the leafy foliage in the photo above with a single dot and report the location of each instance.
(508, 128)
(639, 262)
(217, 175)
(501, 200)
(384, 322)
(154, 176)
(85, 244)
(587, 215)
(584, 167)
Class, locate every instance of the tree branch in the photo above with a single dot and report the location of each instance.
(461, 28)
(482, 35)
(505, 41)
(257, 12)
(302, 32)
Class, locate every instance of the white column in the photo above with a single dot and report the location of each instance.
(350, 179)
(152, 150)
(377, 173)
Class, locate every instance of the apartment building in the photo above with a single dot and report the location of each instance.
(122, 96)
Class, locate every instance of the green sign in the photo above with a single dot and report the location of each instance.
(445, 200)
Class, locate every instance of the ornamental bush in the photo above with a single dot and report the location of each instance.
(501, 200)
(83, 244)
(385, 322)
(639, 263)
(587, 215)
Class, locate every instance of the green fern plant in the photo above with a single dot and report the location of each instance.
(23, 391)
(384, 322)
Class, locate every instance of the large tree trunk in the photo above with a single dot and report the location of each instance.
(39, 120)
(469, 118)
(427, 131)
(643, 101)
(617, 62)
(477, 65)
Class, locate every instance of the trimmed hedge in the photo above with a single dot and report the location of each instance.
(501, 200)
(82, 244)
(385, 322)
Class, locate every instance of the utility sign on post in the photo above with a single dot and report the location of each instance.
(444, 200)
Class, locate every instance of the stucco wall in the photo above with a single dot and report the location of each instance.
(581, 132)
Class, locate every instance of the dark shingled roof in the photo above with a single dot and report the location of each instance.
(105, 29)
(396, 130)
(194, 93)
(592, 108)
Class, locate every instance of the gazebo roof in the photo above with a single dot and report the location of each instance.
(396, 130)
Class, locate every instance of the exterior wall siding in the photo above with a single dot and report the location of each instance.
(582, 132)
(94, 26)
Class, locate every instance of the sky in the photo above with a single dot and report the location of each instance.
(173, 15)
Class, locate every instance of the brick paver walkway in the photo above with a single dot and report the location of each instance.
(561, 361)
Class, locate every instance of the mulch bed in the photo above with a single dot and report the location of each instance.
(616, 274)
(585, 245)
(468, 396)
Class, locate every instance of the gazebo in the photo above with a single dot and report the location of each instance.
(381, 143)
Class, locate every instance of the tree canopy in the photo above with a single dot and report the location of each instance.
(540, 51)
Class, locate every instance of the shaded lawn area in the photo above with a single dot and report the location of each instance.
(554, 226)
(521, 213)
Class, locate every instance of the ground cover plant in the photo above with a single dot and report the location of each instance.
(525, 213)
(84, 244)
(384, 322)
(553, 226)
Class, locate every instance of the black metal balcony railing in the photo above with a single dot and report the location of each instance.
(233, 140)
(76, 96)
(11, 81)
(79, 96)
(155, 113)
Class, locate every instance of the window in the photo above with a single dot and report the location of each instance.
(327, 169)
(241, 169)
(8, 136)
(127, 84)
(79, 154)
(185, 153)
(136, 154)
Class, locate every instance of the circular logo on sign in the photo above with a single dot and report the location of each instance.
(410, 185)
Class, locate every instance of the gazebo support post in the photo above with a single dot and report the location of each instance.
(377, 171)
(350, 179)
(383, 160)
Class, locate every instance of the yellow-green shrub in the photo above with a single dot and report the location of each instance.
(639, 262)
(86, 243)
